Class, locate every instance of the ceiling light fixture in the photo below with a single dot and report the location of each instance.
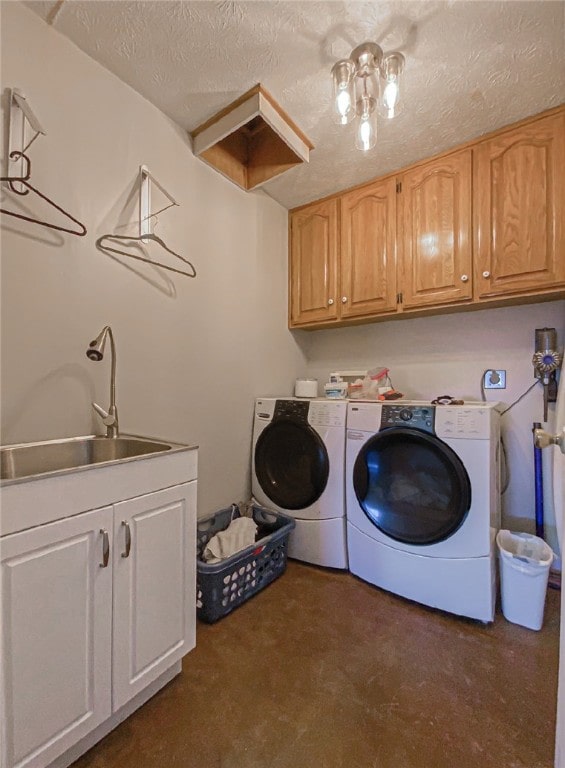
(364, 84)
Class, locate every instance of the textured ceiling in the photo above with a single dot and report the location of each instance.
(471, 67)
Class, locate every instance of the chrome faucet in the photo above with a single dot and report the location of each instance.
(95, 352)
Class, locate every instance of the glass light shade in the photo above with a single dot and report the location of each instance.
(343, 101)
(366, 132)
(390, 101)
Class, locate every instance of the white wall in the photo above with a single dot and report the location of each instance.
(447, 354)
(192, 354)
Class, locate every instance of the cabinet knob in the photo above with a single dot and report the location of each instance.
(464, 278)
(330, 302)
(343, 299)
(486, 274)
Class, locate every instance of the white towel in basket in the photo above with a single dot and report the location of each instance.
(239, 534)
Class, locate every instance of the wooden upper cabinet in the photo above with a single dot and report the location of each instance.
(519, 209)
(434, 232)
(368, 250)
(313, 263)
(482, 225)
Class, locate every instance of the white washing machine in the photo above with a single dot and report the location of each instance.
(423, 502)
(298, 460)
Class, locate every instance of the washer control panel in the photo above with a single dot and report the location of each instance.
(325, 413)
(468, 423)
(292, 409)
(414, 416)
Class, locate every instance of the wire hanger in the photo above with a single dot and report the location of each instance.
(24, 180)
(145, 233)
(101, 245)
(21, 115)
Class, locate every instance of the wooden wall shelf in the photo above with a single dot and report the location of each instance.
(251, 141)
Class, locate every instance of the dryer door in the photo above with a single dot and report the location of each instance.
(291, 464)
(412, 486)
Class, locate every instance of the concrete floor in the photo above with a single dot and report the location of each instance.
(320, 670)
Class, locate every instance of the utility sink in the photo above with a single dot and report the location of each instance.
(46, 481)
(30, 460)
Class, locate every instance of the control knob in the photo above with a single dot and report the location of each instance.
(405, 414)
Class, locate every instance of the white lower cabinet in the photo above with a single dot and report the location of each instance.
(154, 587)
(95, 607)
(57, 636)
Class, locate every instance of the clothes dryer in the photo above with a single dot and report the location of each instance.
(423, 502)
(298, 468)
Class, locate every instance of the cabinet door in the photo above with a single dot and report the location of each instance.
(368, 250)
(435, 236)
(154, 586)
(56, 615)
(313, 263)
(520, 209)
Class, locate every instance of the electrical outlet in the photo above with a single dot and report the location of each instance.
(495, 379)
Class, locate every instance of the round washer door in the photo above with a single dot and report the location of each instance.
(291, 464)
(412, 486)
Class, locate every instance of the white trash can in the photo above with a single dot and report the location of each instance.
(524, 570)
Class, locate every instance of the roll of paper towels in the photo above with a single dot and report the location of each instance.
(306, 388)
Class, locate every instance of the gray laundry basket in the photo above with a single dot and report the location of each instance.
(221, 587)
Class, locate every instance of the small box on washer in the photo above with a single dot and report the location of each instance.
(221, 587)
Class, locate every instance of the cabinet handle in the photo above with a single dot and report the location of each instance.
(486, 274)
(330, 302)
(105, 548)
(128, 539)
(344, 299)
(464, 278)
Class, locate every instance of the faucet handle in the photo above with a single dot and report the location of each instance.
(107, 419)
